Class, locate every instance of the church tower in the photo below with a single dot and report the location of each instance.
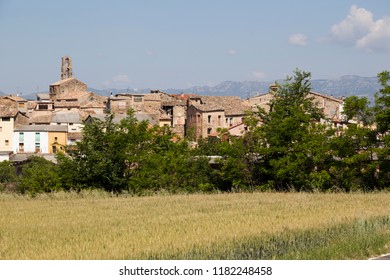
(66, 68)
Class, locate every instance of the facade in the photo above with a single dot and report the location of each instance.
(206, 115)
(164, 109)
(332, 107)
(9, 118)
(35, 138)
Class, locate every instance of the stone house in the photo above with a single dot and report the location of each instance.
(207, 114)
(10, 116)
(164, 109)
(332, 107)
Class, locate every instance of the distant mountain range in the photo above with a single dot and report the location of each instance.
(342, 86)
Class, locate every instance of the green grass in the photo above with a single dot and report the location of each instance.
(358, 239)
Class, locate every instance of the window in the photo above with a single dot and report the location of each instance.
(6, 119)
(55, 139)
(37, 147)
(6, 142)
(1, 129)
(219, 120)
(209, 131)
(37, 142)
(137, 98)
(43, 107)
(21, 137)
(21, 147)
(54, 147)
(209, 118)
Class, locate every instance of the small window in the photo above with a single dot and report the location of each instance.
(37, 147)
(21, 137)
(43, 107)
(70, 123)
(55, 139)
(209, 131)
(21, 147)
(6, 119)
(137, 98)
(209, 118)
(6, 142)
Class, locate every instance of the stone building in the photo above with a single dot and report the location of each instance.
(164, 109)
(206, 115)
(10, 117)
(332, 107)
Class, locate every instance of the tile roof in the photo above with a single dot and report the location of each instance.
(41, 117)
(66, 104)
(43, 96)
(31, 104)
(42, 128)
(232, 105)
(66, 117)
(6, 111)
(14, 97)
(75, 135)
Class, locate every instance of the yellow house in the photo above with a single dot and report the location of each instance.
(57, 141)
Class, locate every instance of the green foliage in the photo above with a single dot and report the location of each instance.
(39, 175)
(290, 148)
(358, 108)
(7, 172)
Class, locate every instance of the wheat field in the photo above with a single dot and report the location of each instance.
(100, 226)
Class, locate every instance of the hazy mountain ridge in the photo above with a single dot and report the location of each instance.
(342, 86)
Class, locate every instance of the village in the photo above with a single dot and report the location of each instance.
(54, 120)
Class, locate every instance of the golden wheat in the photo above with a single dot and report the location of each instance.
(100, 226)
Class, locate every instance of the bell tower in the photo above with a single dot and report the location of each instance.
(66, 68)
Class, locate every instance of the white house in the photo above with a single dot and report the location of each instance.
(34, 138)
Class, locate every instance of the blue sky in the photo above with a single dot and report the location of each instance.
(178, 44)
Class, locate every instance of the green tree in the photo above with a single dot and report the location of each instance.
(288, 141)
(39, 175)
(358, 108)
(7, 172)
(382, 117)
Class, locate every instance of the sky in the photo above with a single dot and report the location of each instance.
(182, 43)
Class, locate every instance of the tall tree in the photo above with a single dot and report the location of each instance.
(286, 138)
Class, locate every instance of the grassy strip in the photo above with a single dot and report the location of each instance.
(359, 239)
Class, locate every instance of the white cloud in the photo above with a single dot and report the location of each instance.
(232, 52)
(359, 29)
(378, 39)
(258, 75)
(298, 40)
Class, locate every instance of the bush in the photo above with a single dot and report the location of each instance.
(39, 175)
